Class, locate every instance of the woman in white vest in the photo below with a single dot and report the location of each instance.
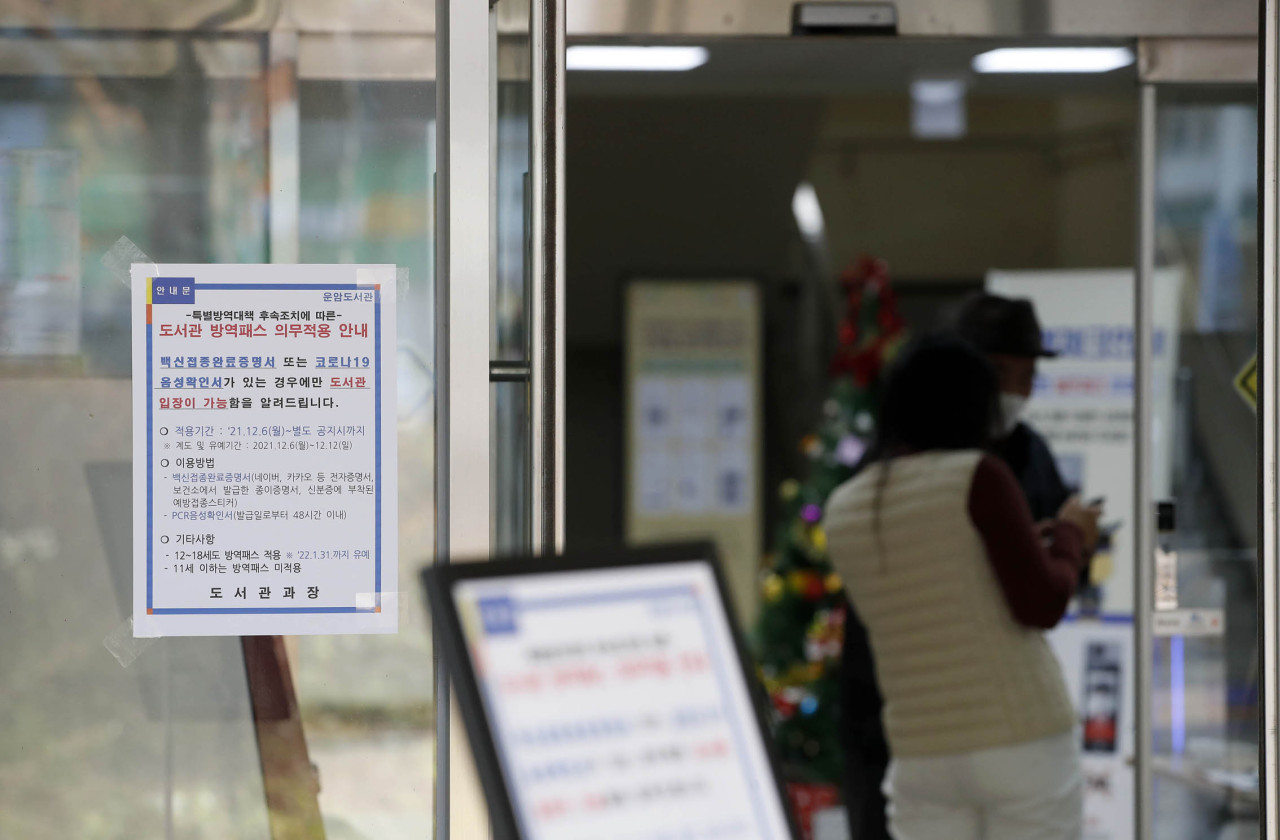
(956, 586)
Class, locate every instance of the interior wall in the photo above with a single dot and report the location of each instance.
(937, 209)
(1035, 183)
(677, 187)
(1097, 187)
(666, 187)
(671, 186)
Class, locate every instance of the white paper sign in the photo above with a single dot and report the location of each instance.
(1201, 622)
(618, 707)
(264, 440)
(1083, 401)
(693, 427)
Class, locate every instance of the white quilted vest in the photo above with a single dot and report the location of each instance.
(957, 672)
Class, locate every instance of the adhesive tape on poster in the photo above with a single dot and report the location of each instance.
(120, 256)
(122, 644)
(371, 602)
(369, 277)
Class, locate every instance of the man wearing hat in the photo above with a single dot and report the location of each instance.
(1007, 332)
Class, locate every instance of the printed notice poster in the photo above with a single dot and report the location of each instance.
(264, 477)
(693, 362)
(618, 706)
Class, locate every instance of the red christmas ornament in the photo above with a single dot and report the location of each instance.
(864, 367)
(888, 319)
(807, 799)
(860, 356)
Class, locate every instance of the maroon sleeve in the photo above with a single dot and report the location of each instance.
(1037, 575)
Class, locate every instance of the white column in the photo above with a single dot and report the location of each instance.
(466, 89)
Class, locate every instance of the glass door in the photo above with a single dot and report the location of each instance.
(295, 133)
(1198, 427)
(157, 140)
(499, 302)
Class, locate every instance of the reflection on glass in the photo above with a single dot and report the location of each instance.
(1206, 691)
(510, 337)
(160, 141)
(366, 156)
(163, 141)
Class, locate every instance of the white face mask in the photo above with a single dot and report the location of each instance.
(1011, 408)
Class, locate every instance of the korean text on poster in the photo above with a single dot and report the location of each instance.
(264, 480)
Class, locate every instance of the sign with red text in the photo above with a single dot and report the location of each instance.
(618, 705)
(264, 463)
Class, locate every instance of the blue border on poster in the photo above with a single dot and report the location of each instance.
(683, 591)
(377, 450)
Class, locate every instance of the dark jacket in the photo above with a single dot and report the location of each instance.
(1027, 454)
(866, 752)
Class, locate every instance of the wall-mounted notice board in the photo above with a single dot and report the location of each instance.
(693, 370)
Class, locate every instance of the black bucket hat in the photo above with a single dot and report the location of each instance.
(1006, 326)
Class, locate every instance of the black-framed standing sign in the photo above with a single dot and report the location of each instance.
(609, 696)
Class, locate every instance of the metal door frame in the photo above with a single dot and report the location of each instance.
(1143, 499)
(1187, 62)
(1269, 435)
(466, 196)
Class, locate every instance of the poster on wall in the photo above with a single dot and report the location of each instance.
(264, 445)
(1083, 404)
(1098, 663)
(693, 427)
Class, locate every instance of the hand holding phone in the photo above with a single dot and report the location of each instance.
(1084, 518)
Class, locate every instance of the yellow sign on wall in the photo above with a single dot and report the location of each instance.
(1246, 382)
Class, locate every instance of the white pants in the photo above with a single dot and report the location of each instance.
(1032, 791)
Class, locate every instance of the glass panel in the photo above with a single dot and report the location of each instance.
(510, 337)
(164, 140)
(159, 146)
(510, 298)
(511, 469)
(367, 152)
(1204, 706)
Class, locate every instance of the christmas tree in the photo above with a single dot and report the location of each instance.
(801, 628)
